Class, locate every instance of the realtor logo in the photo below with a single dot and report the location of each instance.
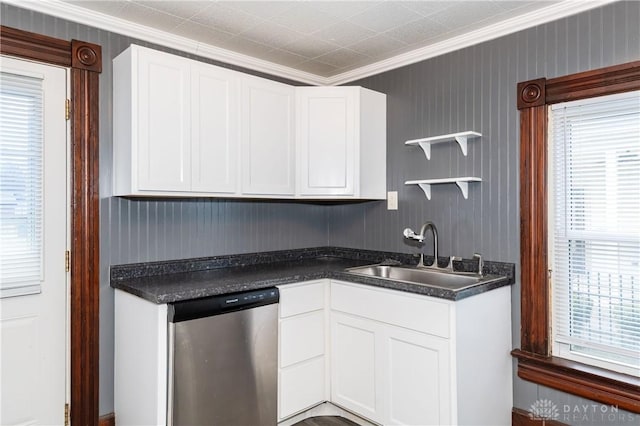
(544, 409)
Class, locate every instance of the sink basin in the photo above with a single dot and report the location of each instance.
(424, 277)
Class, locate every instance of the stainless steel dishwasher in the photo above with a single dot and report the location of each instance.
(223, 354)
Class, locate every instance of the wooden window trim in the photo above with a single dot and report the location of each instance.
(85, 61)
(535, 362)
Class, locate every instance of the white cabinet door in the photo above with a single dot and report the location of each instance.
(267, 137)
(302, 386)
(214, 128)
(416, 384)
(302, 381)
(356, 365)
(302, 363)
(164, 121)
(326, 135)
(301, 338)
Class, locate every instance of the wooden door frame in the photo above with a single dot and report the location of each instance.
(85, 62)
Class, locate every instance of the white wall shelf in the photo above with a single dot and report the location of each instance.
(462, 182)
(460, 137)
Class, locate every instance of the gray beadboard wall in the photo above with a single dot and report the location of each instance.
(148, 230)
(475, 89)
(470, 89)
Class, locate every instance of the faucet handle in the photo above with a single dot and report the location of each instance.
(480, 262)
(410, 234)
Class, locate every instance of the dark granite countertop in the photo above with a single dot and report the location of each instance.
(173, 281)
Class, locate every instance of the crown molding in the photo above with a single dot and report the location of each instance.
(509, 26)
(105, 22)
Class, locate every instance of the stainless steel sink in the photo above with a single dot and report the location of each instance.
(424, 277)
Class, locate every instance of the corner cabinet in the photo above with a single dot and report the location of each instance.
(175, 125)
(267, 137)
(341, 141)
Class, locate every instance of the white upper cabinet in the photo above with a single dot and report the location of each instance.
(175, 125)
(214, 129)
(268, 151)
(152, 147)
(185, 128)
(341, 142)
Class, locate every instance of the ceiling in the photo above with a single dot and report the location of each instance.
(318, 42)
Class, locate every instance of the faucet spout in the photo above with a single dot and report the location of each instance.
(434, 231)
(411, 235)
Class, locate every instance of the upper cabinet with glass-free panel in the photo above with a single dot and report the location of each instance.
(341, 141)
(268, 151)
(175, 125)
(184, 128)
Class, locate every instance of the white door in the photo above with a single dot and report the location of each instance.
(164, 121)
(417, 381)
(326, 132)
(356, 365)
(267, 137)
(33, 227)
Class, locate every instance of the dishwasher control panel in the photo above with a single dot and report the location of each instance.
(217, 305)
(245, 298)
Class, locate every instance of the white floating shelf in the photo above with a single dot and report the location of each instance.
(460, 137)
(462, 182)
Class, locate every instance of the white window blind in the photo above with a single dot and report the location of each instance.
(595, 226)
(21, 185)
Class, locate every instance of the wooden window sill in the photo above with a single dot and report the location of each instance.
(604, 386)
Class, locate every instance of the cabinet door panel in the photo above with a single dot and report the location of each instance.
(354, 365)
(267, 138)
(417, 382)
(327, 126)
(299, 299)
(214, 114)
(418, 313)
(163, 110)
(301, 338)
(301, 386)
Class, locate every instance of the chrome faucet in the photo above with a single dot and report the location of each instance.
(410, 234)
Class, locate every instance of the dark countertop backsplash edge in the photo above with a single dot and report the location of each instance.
(148, 269)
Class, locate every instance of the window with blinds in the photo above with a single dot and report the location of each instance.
(21, 185)
(594, 213)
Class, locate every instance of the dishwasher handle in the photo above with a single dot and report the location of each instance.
(216, 305)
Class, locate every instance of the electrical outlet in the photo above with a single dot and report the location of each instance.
(392, 200)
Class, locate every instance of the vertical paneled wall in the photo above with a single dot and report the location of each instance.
(470, 89)
(148, 230)
(475, 89)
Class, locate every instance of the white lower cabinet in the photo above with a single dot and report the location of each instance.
(302, 369)
(416, 377)
(381, 371)
(391, 357)
(403, 359)
(355, 365)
